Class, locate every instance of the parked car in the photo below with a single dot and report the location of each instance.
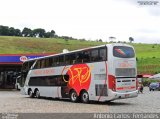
(154, 86)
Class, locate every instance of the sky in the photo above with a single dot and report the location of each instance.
(89, 19)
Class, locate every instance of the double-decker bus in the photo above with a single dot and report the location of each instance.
(101, 73)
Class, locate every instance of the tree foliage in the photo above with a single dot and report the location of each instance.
(26, 32)
(38, 32)
(131, 39)
(9, 31)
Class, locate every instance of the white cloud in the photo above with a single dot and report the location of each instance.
(89, 19)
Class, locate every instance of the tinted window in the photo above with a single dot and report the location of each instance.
(86, 56)
(30, 64)
(123, 52)
(47, 64)
(94, 55)
(61, 60)
(42, 63)
(73, 58)
(56, 61)
(103, 54)
(37, 65)
(49, 81)
(79, 58)
(70, 59)
(27, 65)
(83, 57)
(67, 59)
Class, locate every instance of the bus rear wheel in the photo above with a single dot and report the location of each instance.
(31, 95)
(73, 96)
(37, 94)
(84, 97)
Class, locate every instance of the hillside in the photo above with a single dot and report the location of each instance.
(148, 55)
(14, 45)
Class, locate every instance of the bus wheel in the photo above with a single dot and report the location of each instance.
(37, 94)
(73, 96)
(31, 95)
(84, 97)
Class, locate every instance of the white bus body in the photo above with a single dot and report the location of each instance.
(111, 76)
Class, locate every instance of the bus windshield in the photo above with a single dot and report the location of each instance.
(123, 52)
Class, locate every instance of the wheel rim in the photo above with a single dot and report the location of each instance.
(85, 97)
(37, 94)
(30, 93)
(74, 96)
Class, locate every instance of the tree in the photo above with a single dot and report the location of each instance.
(4, 30)
(14, 32)
(47, 35)
(11, 31)
(18, 32)
(100, 40)
(26, 32)
(52, 33)
(39, 32)
(131, 39)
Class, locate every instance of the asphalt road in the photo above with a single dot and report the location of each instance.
(14, 102)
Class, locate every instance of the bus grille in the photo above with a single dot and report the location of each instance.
(129, 72)
(101, 89)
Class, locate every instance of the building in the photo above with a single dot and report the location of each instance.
(10, 67)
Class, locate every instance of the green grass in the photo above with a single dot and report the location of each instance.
(148, 58)
(147, 50)
(13, 45)
(148, 54)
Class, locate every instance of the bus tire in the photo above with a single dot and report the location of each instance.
(84, 97)
(30, 93)
(37, 94)
(73, 96)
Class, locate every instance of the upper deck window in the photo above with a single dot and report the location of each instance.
(123, 52)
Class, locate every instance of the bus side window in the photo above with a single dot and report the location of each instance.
(51, 61)
(47, 62)
(86, 56)
(103, 54)
(94, 55)
(56, 61)
(67, 59)
(42, 63)
(30, 64)
(72, 58)
(79, 57)
(37, 65)
(61, 60)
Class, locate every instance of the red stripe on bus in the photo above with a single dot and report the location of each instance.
(123, 88)
(120, 88)
(132, 87)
